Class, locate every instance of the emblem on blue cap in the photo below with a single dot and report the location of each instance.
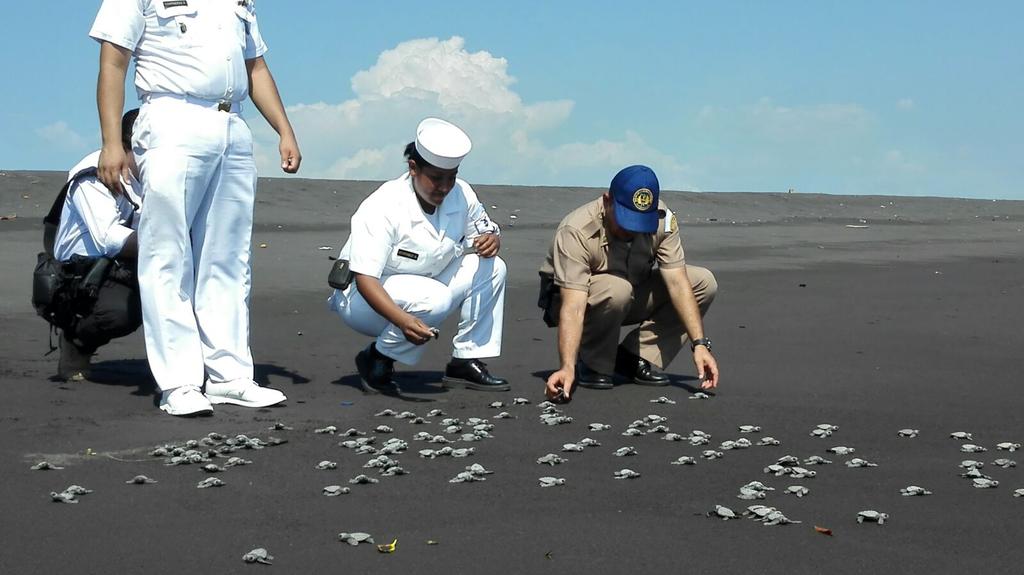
(643, 199)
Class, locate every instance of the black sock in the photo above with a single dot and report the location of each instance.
(376, 354)
(460, 361)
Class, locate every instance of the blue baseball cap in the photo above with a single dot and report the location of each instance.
(634, 193)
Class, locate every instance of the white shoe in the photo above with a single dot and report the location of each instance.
(185, 400)
(244, 392)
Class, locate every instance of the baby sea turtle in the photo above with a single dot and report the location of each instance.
(971, 448)
(451, 421)
(365, 449)
(768, 440)
(821, 433)
(711, 454)
(504, 415)
(210, 482)
(984, 483)
(1007, 446)
(757, 486)
(800, 473)
(406, 415)
(673, 437)
(970, 463)
(386, 413)
(353, 432)
(336, 490)
(788, 460)
(1005, 463)
(778, 470)
(697, 440)
(140, 480)
(599, 427)
(1018, 492)
(422, 436)
(640, 423)
(439, 439)
(798, 490)
(658, 429)
(841, 450)
(625, 451)
(634, 432)
(477, 469)
(654, 418)
(466, 477)
(699, 395)
(63, 497)
(827, 427)
(551, 481)
(363, 480)
(974, 472)
(236, 461)
(872, 516)
(258, 555)
(727, 445)
(278, 426)
(557, 420)
(463, 452)
(212, 468)
(483, 427)
(453, 429)
(699, 433)
(355, 538)
(962, 435)
(572, 447)
(326, 465)
(435, 413)
(496, 404)
(750, 494)
(77, 490)
(626, 474)
(520, 401)
(551, 459)
(418, 421)
(380, 462)
(908, 433)
(428, 454)
(722, 512)
(758, 512)
(470, 437)
(393, 471)
(684, 460)
(383, 429)
(749, 428)
(858, 462)
(776, 517)
(545, 404)
(914, 490)
(45, 466)
(817, 460)
(664, 400)
(329, 429)
(587, 442)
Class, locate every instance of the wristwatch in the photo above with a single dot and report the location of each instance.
(706, 342)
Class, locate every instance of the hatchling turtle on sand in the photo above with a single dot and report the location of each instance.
(572, 447)
(451, 421)
(1005, 463)
(329, 429)
(465, 477)
(798, 490)
(1007, 446)
(383, 429)
(664, 400)
(140, 480)
(278, 426)
(984, 483)
(914, 490)
(872, 516)
(962, 435)
(482, 434)
(393, 471)
(626, 474)
(727, 445)
(971, 448)
(749, 428)
(77, 490)
(435, 413)
(497, 404)
(697, 440)
(63, 497)
(405, 415)
(858, 462)
(336, 490)
(685, 460)
(625, 451)
(777, 469)
(504, 415)
(817, 460)
(768, 440)
(699, 395)
(971, 463)
(673, 437)
(386, 413)
(477, 469)
(1018, 492)
(758, 512)
(788, 460)
(470, 437)
(545, 404)
(353, 432)
(363, 480)
(453, 429)
(634, 432)
(236, 461)
(776, 517)
(355, 538)
(800, 473)
(520, 401)
(463, 452)
(326, 465)
(212, 468)
(258, 555)
(821, 433)
(428, 453)
(45, 466)
(908, 433)
(210, 482)
(551, 459)
(750, 494)
(658, 429)
(418, 421)
(711, 454)
(439, 439)
(973, 473)
(841, 450)
(599, 427)
(587, 442)
(556, 420)
(699, 433)
(551, 481)
(722, 512)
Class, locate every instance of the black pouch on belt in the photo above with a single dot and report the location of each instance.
(550, 299)
(340, 276)
(92, 280)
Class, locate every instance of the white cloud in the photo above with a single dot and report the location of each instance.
(60, 134)
(363, 137)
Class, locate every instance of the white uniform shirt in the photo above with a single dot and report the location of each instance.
(185, 47)
(391, 234)
(93, 222)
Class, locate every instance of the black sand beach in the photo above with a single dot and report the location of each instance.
(870, 313)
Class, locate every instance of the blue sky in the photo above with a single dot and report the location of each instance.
(895, 98)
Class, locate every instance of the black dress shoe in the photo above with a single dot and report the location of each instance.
(75, 360)
(472, 374)
(590, 379)
(638, 369)
(376, 372)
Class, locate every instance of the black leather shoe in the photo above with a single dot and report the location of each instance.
(590, 379)
(639, 370)
(75, 360)
(376, 372)
(472, 374)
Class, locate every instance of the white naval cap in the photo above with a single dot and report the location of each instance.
(442, 144)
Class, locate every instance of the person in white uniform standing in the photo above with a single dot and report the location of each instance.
(196, 61)
(420, 247)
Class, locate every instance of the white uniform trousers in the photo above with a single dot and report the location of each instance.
(474, 284)
(199, 178)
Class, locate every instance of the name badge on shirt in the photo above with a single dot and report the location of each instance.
(407, 254)
(175, 3)
(484, 226)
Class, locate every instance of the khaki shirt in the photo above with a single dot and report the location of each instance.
(582, 248)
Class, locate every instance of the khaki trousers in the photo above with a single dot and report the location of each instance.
(613, 302)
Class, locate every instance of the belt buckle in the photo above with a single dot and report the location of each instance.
(224, 106)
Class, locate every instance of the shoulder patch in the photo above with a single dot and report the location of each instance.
(671, 225)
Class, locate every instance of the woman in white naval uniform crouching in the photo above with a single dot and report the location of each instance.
(420, 247)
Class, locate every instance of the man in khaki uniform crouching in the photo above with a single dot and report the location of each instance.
(619, 261)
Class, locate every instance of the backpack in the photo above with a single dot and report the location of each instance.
(47, 279)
